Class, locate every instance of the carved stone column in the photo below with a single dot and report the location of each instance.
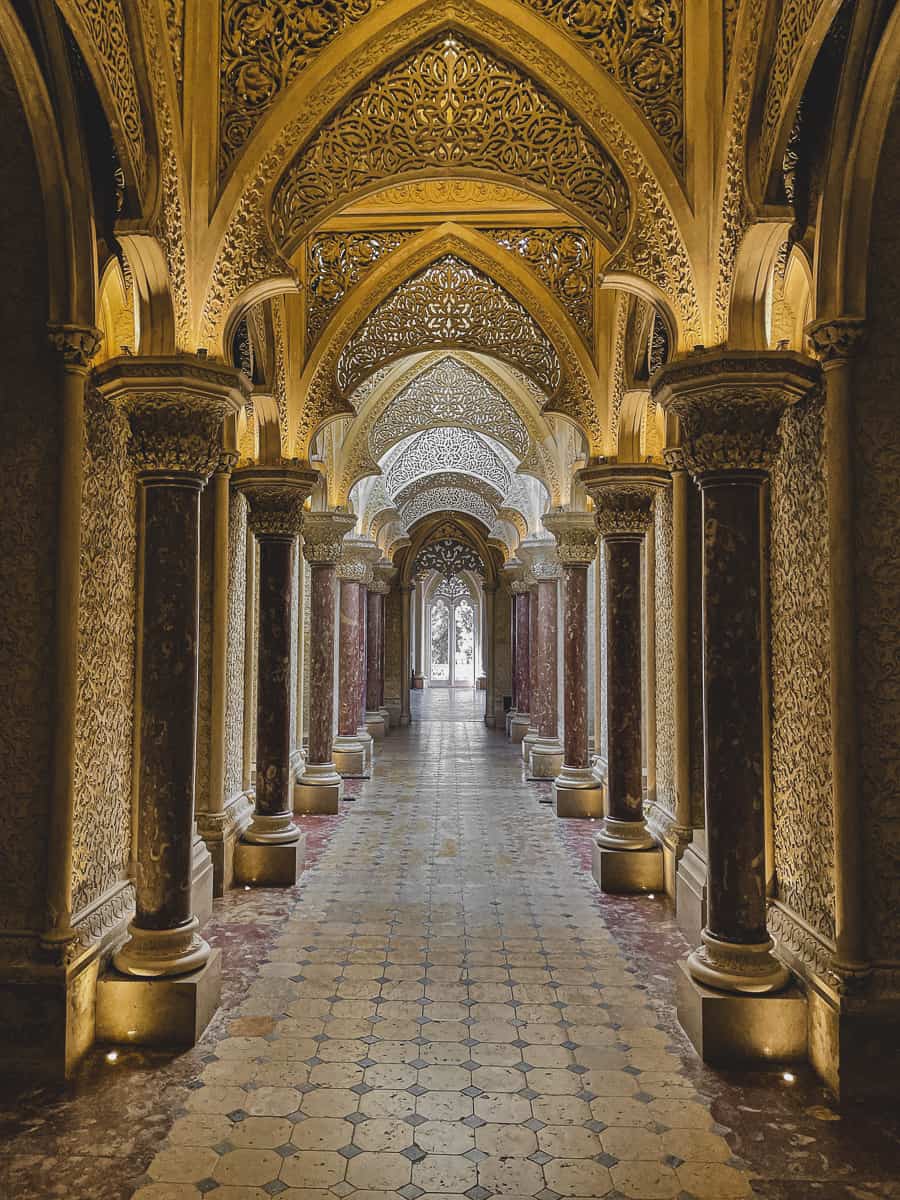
(376, 724)
(352, 746)
(729, 405)
(546, 753)
(406, 594)
(626, 858)
(320, 788)
(521, 721)
(532, 733)
(175, 407)
(271, 850)
(575, 790)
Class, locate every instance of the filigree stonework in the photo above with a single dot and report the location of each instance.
(335, 263)
(564, 260)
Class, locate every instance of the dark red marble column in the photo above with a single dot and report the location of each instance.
(523, 650)
(348, 659)
(375, 646)
(275, 497)
(534, 699)
(546, 752)
(175, 408)
(729, 406)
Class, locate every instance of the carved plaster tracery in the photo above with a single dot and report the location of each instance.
(448, 449)
(449, 303)
(451, 104)
(450, 479)
(795, 20)
(448, 557)
(335, 263)
(564, 260)
(448, 499)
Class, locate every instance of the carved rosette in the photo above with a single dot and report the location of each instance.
(729, 405)
(576, 537)
(836, 341)
(78, 344)
(623, 496)
(323, 536)
(358, 557)
(175, 408)
(275, 498)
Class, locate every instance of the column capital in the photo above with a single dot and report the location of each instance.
(323, 535)
(541, 559)
(379, 587)
(673, 457)
(623, 496)
(228, 460)
(729, 404)
(175, 407)
(385, 572)
(358, 557)
(275, 496)
(576, 536)
(78, 344)
(836, 339)
(519, 587)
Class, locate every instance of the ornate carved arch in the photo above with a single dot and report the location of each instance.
(576, 395)
(448, 525)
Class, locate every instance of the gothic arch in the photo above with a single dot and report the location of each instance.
(464, 528)
(576, 395)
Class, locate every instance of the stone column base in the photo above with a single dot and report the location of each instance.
(172, 1011)
(349, 757)
(546, 759)
(221, 832)
(728, 1028)
(319, 789)
(375, 726)
(690, 894)
(368, 744)
(576, 793)
(419, 682)
(519, 726)
(386, 717)
(258, 865)
(202, 879)
(628, 872)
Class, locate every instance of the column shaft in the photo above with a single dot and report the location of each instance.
(575, 741)
(374, 651)
(273, 697)
(219, 666)
(321, 662)
(348, 684)
(547, 658)
(405, 602)
(523, 652)
(623, 683)
(681, 638)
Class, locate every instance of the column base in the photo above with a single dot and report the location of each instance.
(159, 1012)
(386, 717)
(375, 726)
(528, 739)
(546, 759)
(319, 789)
(519, 726)
(349, 757)
(158, 953)
(728, 1028)
(221, 832)
(419, 682)
(258, 865)
(368, 744)
(737, 967)
(278, 830)
(627, 872)
(202, 880)
(624, 835)
(577, 794)
(690, 893)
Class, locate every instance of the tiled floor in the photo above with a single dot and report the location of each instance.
(443, 1007)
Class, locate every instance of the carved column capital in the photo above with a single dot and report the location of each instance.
(674, 458)
(576, 537)
(358, 557)
(729, 404)
(836, 340)
(541, 558)
(78, 344)
(623, 496)
(519, 587)
(379, 587)
(323, 536)
(275, 496)
(175, 408)
(228, 460)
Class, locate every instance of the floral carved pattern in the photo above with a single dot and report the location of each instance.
(564, 260)
(451, 105)
(450, 479)
(641, 45)
(794, 23)
(336, 262)
(449, 303)
(448, 557)
(448, 499)
(448, 449)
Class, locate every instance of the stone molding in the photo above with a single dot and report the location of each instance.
(78, 344)
(836, 340)
(175, 408)
(729, 404)
(624, 495)
(275, 498)
(323, 536)
(576, 537)
(358, 558)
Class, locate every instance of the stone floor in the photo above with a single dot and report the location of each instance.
(444, 1006)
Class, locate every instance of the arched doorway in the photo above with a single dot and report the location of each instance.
(452, 635)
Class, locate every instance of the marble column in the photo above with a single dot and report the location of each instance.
(417, 621)
(546, 752)
(521, 721)
(271, 850)
(626, 858)
(576, 792)
(175, 408)
(729, 405)
(406, 594)
(375, 710)
(489, 660)
(532, 733)
(320, 788)
(352, 744)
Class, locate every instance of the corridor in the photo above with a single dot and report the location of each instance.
(443, 1006)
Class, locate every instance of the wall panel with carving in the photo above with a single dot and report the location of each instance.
(234, 672)
(800, 677)
(665, 654)
(106, 654)
(335, 264)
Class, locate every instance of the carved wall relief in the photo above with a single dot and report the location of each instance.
(335, 263)
(234, 672)
(106, 655)
(447, 448)
(564, 260)
(800, 677)
(450, 499)
(794, 23)
(665, 653)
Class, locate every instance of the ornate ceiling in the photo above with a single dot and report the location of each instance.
(449, 303)
(448, 556)
(448, 500)
(451, 106)
(448, 449)
(456, 480)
